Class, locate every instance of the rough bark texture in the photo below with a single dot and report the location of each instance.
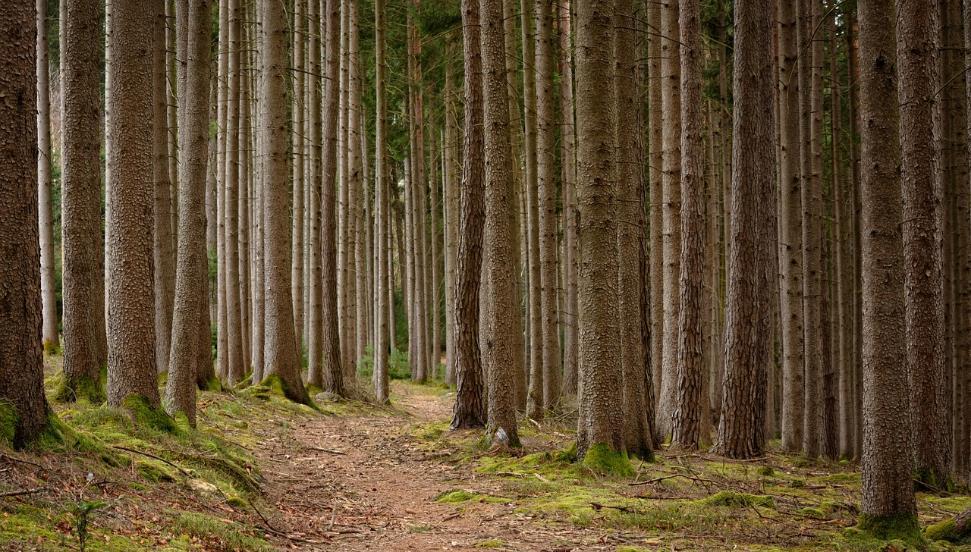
(568, 160)
(655, 200)
(281, 358)
(21, 358)
(333, 375)
(690, 408)
(888, 491)
(222, 102)
(671, 211)
(638, 415)
(547, 185)
(82, 278)
(163, 253)
(790, 232)
(131, 303)
(191, 299)
(234, 327)
(314, 185)
(380, 207)
(600, 423)
(922, 237)
(45, 213)
(499, 354)
(299, 146)
(751, 263)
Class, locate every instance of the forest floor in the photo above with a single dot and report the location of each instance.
(261, 473)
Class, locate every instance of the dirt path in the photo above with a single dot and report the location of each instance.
(361, 482)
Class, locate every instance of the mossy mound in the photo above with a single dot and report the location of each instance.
(219, 534)
(602, 459)
(459, 496)
(902, 528)
(733, 499)
(955, 530)
(84, 388)
(144, 413)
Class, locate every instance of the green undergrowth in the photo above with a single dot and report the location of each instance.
(218, 533)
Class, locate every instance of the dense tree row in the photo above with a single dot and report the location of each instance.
(648, 212)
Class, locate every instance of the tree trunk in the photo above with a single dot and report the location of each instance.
(22, 401)
(333, 375)
(163, 255)
(223, 104)
(639, 416)
(49, 335)
(547, 201)
(381, 250)
(690, 410)
(888, 490)
(751, 264)
(655, 201)
(82, 278)
(569, 163)
(281, 358)
(299, 146)
(190, 298)
(922, 238)
(499, 353)
(131, 302)
(671, 212)
(452, 194)
(314, 184)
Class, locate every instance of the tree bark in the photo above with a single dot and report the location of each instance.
(82, 278)
(751, 264)
(888, 490)
(380, 218)
(569, 163)
(21, 358)
(499, 353)
(163, 254)
(191, 305)
(281, 358)
(131, 301)
(51, 341)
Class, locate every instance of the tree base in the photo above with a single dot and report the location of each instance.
(902, 527)
(278, 386)
(85, 387)
(603, 459)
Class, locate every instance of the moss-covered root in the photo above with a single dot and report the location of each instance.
(296, 393)
(604, 459)
(956, 529)
(75, 389)
(145, 413)
(903, 527)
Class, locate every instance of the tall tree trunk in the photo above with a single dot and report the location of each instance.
(223, 104)
(690, 410)
(21, 358)
(790, 224)
(191, 307)
(452, 193)
(281, 358)
(299, 146)
(638, 415)
(922, 238)
(234, 338)
(333, 375)
(655, 201)
(547, 200)
(671, 211)
(499, 353)
(600, 428)
(569, 164)
(163, 254)
(131, 301)
(82, 278)
(45, 212)
(315, 334)
(381, 250)
(359, 191)
(751, 264)
(416, 187)
(888, 490)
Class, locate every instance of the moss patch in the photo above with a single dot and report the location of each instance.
(84, 388)
(230, 535)
(460, 495)
(733, 499)
(603, 459)
(8, 423)
(903, 528)
(145, 414)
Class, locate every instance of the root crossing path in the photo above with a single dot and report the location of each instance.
(362, 481)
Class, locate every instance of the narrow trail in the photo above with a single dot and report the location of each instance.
(362, 482)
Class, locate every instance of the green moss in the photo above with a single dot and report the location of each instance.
(84, 388)
(8, 423)
(460, 495)
(213, 384)
(601, 458)
(902, 527)
(766, 471)
(490, 543)
(51, 348)
(144, 413)
(231, 536)
(734, 499)
(278, 387)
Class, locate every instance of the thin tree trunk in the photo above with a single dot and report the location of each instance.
(381, 391)
(569, 164)
(315, 334)
(299, 147)
(51, 342)
(163, 254)
(655, 200)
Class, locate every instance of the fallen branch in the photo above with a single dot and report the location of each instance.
(23, 492)
(150, 455)
(666, 477)
(21, 460)
(328, 451)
